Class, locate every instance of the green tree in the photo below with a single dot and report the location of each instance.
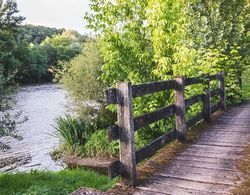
(36, 34)
(38, 63)
(9, 65)
(66, 45)
(81, 78)
(148, 40)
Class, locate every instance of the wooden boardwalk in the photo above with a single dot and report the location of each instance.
(209, 165)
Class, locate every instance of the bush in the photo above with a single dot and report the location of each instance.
(83, 137)
(80, 77)
(98, 146)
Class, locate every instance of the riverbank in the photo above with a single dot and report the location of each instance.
(56, 183)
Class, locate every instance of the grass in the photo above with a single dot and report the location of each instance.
(46, 183)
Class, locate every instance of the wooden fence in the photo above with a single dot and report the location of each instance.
(123, 94)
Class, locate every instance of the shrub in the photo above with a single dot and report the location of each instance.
(98, 146)
(80, 77)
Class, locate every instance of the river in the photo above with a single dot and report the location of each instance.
(41, 104)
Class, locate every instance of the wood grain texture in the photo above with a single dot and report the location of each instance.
(180, 122)
(152, 117)
(207, 104)
(148, 88)
(209, 165)
(222, 92)
(150, 149)
(193, 100)
(110, 96)
(126, 130)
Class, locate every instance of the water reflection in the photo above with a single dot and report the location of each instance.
(41, 104)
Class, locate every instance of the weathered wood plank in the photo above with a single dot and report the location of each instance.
(113, 133)
(213, 155)
(181, 186)
(222, 92)
(152, 117)
(166, 188)
(194, 80)
(229, 141)
(194, 120)
(126, 130)
(143, 121)
(215, 92)
(193, 100)
(197, 147)
(148, 88)
(190, 168)
(213, 77)
(146, 192)
(205, 165)
(114, 169)
(207, 104)
(180, 122)
(220, 144)
(200, 178)
(150, 149)
(110, 96)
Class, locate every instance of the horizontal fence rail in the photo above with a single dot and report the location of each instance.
(126, 125)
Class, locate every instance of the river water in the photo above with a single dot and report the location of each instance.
(41, 104)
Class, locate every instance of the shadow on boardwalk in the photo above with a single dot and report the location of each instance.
(209, 165)
(206, 165)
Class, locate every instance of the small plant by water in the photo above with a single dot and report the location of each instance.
(81, 137)
(72, 131)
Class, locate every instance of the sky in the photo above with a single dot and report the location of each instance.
(66, 14)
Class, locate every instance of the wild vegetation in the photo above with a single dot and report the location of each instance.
(61, 182)
(136, 41)
(151, 40)
(28, 54)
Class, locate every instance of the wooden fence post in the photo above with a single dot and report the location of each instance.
(207, 103)
(222, 91)
(181, 126)
(126, 129)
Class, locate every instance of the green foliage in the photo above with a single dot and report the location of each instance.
(151, 40)
(9, 62)
(246, 84)
(84, 136)
(80, 77)
(9, 65)
(98, 146)
(73, 132)
(36, 34)
(62, 182)
(38, 63)
(66, 45)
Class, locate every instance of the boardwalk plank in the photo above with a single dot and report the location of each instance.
(180, 186)
(208, 166)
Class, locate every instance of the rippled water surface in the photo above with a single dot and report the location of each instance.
(41, 104)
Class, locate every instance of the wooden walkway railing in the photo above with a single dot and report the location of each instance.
(123, 94)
